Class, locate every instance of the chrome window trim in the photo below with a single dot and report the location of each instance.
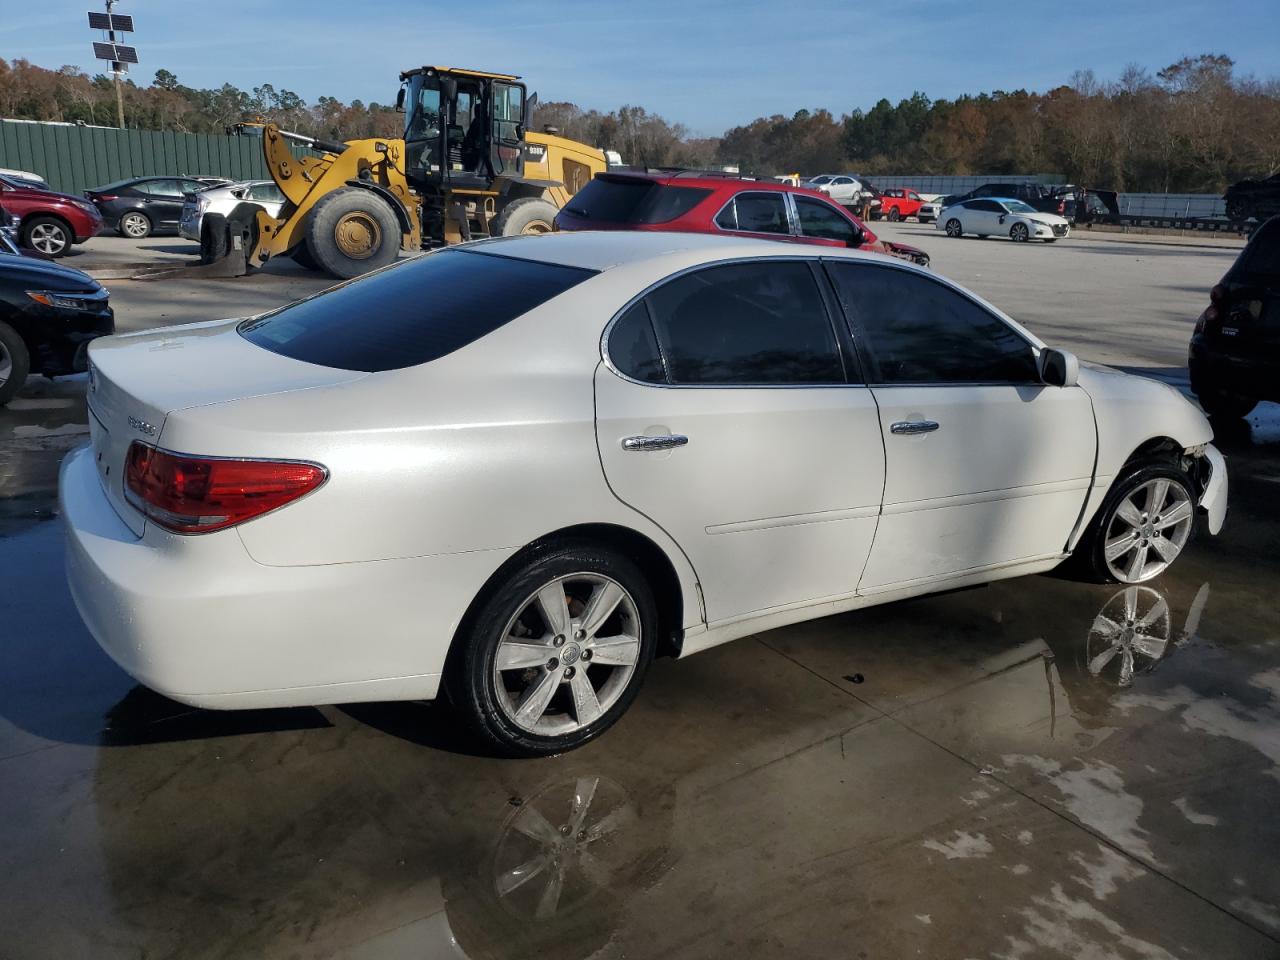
(742, 193)
(608, 330)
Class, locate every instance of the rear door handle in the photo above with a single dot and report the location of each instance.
(910, 427)
(654, 443)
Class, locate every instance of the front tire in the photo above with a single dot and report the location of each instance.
(15, 363)
(135, 225)
(954, 229)
(1142, 527)
(352, 231)
(557, 651)
(1019, 233)
(526, 216)
(47, 235)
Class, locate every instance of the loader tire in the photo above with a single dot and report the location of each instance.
(213, 238)
(302, 257)
(352, 231)
(529, 215)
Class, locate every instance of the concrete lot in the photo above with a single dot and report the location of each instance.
(959, 776)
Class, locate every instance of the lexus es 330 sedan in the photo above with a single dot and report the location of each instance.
(520, 469)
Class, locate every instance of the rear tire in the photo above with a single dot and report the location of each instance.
(1238, 210)
(894, 215)
(213, 238)
(15, 363)
(499, 706)
(352, 231)
(134, 225)
(48, 235)
(529, 215)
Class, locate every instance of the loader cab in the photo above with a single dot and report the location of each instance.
(463, 128)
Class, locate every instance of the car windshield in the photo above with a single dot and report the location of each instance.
(411, 312)
(1017, 206)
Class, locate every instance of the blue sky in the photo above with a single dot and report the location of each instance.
(708, 64)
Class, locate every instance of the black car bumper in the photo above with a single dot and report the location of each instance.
(1254, 376)
(58, 340)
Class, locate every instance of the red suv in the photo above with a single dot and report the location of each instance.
(49, 222)
(698, 202)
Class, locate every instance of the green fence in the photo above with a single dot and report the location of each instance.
(74, 158)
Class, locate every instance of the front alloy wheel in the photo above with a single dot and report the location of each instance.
(557, 652)
(1149, 526)
(1019, 233)
(953, 228)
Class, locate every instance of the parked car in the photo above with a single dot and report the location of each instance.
(840, 187)
(898, 203)
(225, 198)
(140, 206)
(481, 469)
(689, 202)
(48, 315)
(1035, 195)
(48, 222)
(1253, 198)
(929, 210)
(1235, 349)
(26, 176)
(1002, 217)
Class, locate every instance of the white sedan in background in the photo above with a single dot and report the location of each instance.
(225, 198)
(516, 468)
(996, 217)
(839, 187)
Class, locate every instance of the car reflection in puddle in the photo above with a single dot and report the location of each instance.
(1132, 633)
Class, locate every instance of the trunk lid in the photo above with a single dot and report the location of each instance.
(136, 381)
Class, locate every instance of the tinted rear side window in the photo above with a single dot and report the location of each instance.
(667, 203)
(750, 323)
(411, 313)
(610, 201)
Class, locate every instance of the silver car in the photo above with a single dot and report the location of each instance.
(224, 199)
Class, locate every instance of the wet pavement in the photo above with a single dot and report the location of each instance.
(1005, 772)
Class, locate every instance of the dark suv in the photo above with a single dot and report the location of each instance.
(1235, 350)
(692, 201)
(1042, 198)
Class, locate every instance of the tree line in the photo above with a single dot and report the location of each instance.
(1194, 126)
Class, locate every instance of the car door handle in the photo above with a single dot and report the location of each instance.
(654, 443)
(909, 428)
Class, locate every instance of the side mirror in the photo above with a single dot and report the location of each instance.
(1058, 368)
(1002, 218)
(858, 239)
(400, 101)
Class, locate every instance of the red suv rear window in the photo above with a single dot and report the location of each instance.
(625, 201)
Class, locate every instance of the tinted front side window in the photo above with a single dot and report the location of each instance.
(920, 331)
(749, 323)
(817, 219)
(756, 213)
(412, 312)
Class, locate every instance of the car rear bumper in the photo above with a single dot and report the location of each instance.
(189, 226)
(1253, 376)
(198, 620)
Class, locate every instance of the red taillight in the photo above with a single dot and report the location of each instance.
(202, 494)
(1217, 294)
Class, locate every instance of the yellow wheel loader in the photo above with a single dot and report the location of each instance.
(467, 167)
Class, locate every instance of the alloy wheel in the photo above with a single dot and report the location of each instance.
(135, 225)
(1147, 530)
(6, 364)
(1130, 634)
(49, 238)
(953, 228)
(1019, 232)
(567, 655)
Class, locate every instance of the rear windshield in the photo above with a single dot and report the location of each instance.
(412, 312)
(633, 201)
(1261, 258)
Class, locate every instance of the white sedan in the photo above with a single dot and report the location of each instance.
(839, 187)
(995, 217)
(523, 467)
